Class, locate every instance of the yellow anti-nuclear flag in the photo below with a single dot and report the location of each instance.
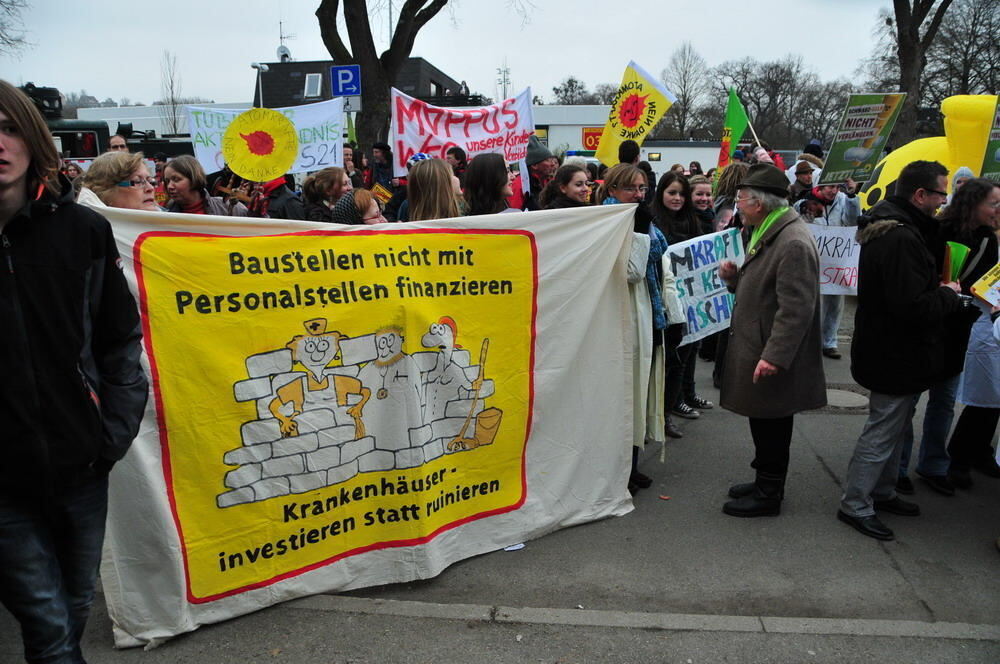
(638, 105)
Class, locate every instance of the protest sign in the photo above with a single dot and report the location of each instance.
(861, 135)
(838, 250)
(987, 288)
(318, 127)
(336, 407)
(260, 144)
(641, 101)
(991, 159)
(502, 128)
(708, 305)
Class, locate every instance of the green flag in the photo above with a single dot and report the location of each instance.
(732, 130)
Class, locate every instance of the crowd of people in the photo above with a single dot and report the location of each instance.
(915, 331)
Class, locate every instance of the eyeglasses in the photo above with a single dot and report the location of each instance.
(935, 191)
(137, 182)
(633, 189)
(745, 199)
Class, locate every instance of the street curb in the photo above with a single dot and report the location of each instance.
(660, 621)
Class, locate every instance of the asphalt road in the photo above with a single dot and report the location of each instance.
(674, 581)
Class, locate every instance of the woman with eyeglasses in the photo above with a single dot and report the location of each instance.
(674, 213)
(121, 180)
(488, 185)
(357, 207)
(569, 187)
(656, 311)
(972, 219)
(187, 187)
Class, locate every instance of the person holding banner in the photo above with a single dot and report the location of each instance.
(73, 390)
(773, 366)
(569, 188)
(972, 219)
(488, 185)
(120, 179)
(187, 188)
(322, 190)
(831, 207)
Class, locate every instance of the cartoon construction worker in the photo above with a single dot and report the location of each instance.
(446, 377)
(394, 378)
(315, 350)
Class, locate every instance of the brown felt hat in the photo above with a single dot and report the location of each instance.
(803, 167)
(766, 177)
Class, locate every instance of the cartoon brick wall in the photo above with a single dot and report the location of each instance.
(325, 452)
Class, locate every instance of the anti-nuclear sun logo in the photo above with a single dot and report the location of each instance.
(259, 142)
(631, 109)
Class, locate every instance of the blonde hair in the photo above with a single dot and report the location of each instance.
(430, 192)
(618, 177)
(108, 170)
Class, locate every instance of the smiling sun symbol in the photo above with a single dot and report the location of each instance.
(632, 109)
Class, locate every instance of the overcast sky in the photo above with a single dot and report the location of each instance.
(113, 49)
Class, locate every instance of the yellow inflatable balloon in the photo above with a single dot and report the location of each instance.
(967, 122)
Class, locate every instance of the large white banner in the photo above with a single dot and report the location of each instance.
(838, 258)
(503, 128)
(335, 407)
(319, 128)
(707, 303)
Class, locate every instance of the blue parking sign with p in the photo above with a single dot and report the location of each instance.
(345, 80)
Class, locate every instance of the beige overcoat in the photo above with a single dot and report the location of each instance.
(776, 317)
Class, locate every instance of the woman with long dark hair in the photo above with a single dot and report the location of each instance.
(973, 218)
(674, 215)
(569, 187)
(487, 185)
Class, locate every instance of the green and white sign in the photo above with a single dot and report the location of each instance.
(991, 160)
(861, 136)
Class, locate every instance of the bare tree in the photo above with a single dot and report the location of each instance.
(917, 23)
(378, 72)
(965, 58)
(687, 77)
(12, 37)
(170, 89)
(604, 93)
(571, 91)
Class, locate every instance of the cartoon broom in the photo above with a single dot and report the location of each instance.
(460, 442)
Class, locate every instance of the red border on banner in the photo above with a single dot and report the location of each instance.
(165, 439)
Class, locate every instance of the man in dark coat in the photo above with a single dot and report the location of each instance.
(72, 391)
(899, 333)
(774, 366)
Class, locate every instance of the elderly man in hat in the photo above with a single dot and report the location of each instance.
(774, 366)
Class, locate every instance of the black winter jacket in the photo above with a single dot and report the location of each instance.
(72, 391)
(902, 320)
(285, 204)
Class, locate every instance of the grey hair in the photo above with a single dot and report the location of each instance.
(770, 202)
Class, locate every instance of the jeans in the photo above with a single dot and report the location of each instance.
(48, 567)
(933, 459)
(874, 468)
(831, 307)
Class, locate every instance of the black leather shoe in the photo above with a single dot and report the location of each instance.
(831, 353)
(960, 477)
(867, 525)
(905, 486)
(897, 505)
(640, 480)
(939, 483)
(671, 430)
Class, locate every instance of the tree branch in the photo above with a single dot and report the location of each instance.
(326, 14)
(412, 17)
(935, 24)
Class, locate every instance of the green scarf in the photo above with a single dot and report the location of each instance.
(764, 225)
